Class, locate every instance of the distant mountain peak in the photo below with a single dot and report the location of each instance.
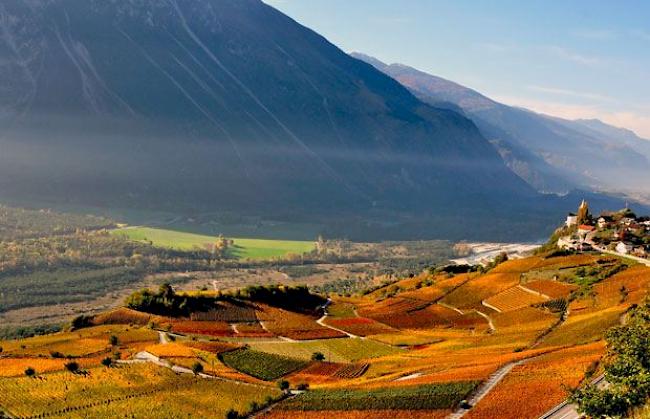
(551, 153)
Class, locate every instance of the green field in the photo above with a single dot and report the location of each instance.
(243, 248)
(335, 350)
(426, 397)
(262, 365)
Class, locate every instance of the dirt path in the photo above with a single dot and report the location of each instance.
(321, 322)
(566, 410)
(488, 318)
(163, 338)
(645, 262)
(486, 387)
(142, 357)
(267, 409)
(450, 307)
(530, 291)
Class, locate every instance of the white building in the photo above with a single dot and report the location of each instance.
(571, 220)
(623, 248)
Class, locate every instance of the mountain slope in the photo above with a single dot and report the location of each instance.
(196, 106)
(552, 154)
(224, 101)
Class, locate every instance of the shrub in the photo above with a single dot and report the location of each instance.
(318, 356)
(72, 367)
(80, 322)
(113, 340)
(107, 362)
(56, 354)
(283, 385)
(232, 414)
(197, 368)
(30, 372)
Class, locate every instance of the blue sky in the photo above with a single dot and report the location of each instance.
(575, 59)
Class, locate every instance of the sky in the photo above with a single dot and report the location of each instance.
(573, 59)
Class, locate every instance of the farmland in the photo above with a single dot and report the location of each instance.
(139, 390)
(416, 347)
(426, 397)
(335, 350)
(263, 365)
(253, 249)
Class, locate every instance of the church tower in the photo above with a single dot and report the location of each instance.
(583, 213)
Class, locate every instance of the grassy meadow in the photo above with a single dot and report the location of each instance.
(244, 248)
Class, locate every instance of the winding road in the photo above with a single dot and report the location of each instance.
(486, 387)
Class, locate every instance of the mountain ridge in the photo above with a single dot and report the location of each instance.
(552, 154)
(228, 105)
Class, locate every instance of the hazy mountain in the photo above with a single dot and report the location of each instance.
(551, 154)
(190, 105)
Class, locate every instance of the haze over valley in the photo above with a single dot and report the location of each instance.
(213, 209)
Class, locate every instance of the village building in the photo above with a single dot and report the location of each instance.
(584, 230)
(628, 221)
(604, 222)
(571, 220)
(623, 248)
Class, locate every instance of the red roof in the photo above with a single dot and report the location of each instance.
(586, 227)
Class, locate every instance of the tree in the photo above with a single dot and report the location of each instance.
(166, 291)
(283, 385)
(30, 372)
(232, 414)
(72, 367)
(107, 362)
(318, 356)
(113, 340)
(626, 370)
(197, 368)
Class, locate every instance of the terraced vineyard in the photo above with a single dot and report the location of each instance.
(513, 299)
(426, 343)
(425, 397)
(552, 289)
(263, 365)
(335, 350)
(132, 390)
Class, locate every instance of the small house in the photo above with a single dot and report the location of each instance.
(584, 230)
(623, 248)
(571, 220)
(604, 222)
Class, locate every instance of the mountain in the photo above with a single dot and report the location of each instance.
(551, 154)
(228, 105)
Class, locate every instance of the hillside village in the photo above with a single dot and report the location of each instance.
(622, 232)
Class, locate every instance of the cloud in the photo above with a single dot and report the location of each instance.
(572, 56)
(571, 93)
(635, 120)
